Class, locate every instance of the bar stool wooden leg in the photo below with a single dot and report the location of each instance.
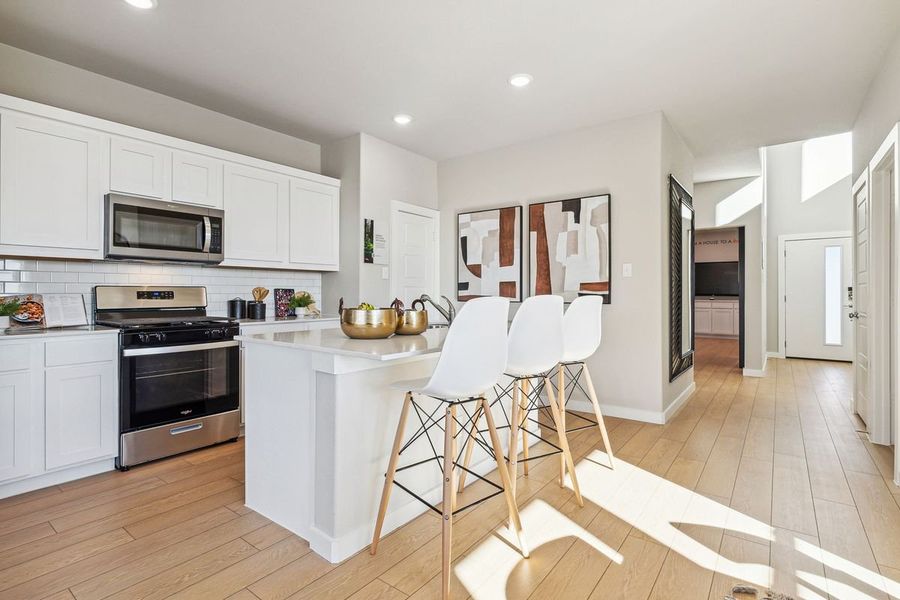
(561, 390)
(513, 445)
(448, 502)
(392, 470)
(563, 440)
(523, 423)
(514, 522)
(598, 415)
(470, 445)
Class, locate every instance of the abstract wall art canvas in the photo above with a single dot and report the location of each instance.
(489, 259)
(570, 247)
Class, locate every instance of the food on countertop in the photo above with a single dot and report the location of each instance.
(30, 312)
(365, 306)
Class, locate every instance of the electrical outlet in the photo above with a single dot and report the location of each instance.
(626, 270)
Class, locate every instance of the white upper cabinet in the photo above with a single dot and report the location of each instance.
(138, 168)
(314, 225)
(256, 216)
(196, 179)
(51, 188)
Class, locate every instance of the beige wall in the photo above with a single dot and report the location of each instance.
(40, 79)
(624, 159)
(827, 211)
(373, 173)
(707, 196)
(879, 112)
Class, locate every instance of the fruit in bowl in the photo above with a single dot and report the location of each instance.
(365, 306)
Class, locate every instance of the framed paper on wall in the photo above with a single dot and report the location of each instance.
(569, 243)
(489, 256)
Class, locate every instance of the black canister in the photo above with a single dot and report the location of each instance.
(237, 308)
(256, 310)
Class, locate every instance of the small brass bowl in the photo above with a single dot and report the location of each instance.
(412, 322)
(360, 324)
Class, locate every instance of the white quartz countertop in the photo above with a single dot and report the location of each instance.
(286, 320)
(333, 341)
(14, 333)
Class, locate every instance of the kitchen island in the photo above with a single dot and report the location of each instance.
(321, 414)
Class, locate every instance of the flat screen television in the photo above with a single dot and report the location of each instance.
(717, 279)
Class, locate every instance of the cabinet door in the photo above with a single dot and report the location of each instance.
(50, 185)
(256, 216)
(315, 209)
(138, 167)
(722, 321)
(196, 179)
(81, 413)
(702, 320)
(15, 424)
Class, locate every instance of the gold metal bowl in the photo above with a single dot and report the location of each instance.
(412, 321)
(360, 324)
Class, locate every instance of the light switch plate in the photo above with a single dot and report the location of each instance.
(384, 273)
(626, 269)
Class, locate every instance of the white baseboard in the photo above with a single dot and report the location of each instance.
(774, 354)
(657, 417)
(30, 484)
(678, 403)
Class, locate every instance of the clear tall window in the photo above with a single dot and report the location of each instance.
(833, 262)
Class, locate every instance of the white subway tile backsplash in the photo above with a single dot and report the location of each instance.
(13, 264)
(34, 276)
(25, 276)
(62, 277)
(78, 266)
(51, 265)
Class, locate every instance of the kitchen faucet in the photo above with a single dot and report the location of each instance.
(448, 313)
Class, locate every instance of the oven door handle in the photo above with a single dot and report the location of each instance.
(184, 348)
(207, 234)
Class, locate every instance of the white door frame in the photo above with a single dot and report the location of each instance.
(396, 208)
(782, 308)
(858, 185)
(880, 309)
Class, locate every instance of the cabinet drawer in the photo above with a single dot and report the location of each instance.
(76, 352)
(702, 304)
(15, 357)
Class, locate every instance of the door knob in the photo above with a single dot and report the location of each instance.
(854, 315)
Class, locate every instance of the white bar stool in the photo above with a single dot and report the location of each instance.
(471, 361)
(535, 350)
(581, 337)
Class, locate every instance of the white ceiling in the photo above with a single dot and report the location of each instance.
(731, 75)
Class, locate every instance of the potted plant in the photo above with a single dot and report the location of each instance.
(8, 307)
(301, 302)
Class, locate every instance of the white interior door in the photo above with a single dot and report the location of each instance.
(860, 301)
(817, 273)
(413, 253)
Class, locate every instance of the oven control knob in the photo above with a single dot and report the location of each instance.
(143, 338)
(160, 337)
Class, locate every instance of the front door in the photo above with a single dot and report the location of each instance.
(860, 302)
(817, 275)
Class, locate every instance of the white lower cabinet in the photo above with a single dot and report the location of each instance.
(16, 397)
(80, 404)
(59, 410)
(717, 317)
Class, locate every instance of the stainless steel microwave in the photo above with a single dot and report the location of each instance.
(144, 229)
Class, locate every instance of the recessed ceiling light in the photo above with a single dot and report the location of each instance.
(402, 119)
(520, 80)
(142, 3)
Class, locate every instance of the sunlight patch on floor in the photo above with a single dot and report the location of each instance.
(485, 570)
(656, 507)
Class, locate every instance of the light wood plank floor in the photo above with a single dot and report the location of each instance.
(765, 480)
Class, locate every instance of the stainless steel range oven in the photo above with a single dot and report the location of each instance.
(143, 229)
(179, 384)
